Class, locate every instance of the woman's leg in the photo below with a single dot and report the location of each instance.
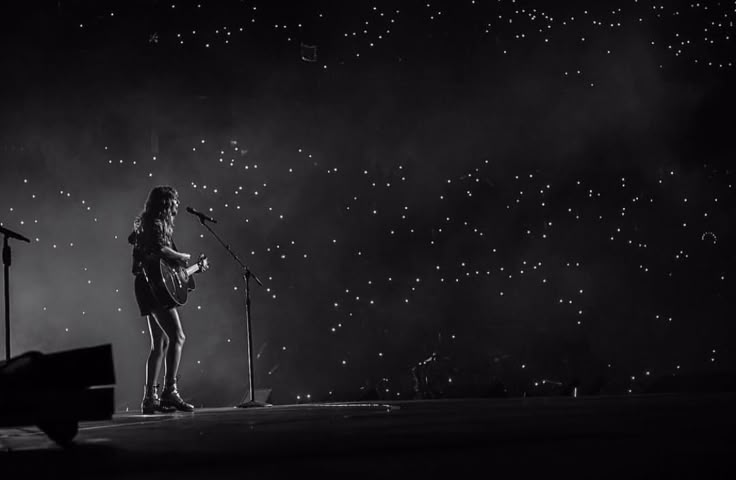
(170, 324)
(159, 341)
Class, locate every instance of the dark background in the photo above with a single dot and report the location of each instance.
(536, 192)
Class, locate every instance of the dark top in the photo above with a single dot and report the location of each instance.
(147, 241)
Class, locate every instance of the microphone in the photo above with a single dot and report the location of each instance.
(201, 216)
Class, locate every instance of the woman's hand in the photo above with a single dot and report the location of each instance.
(184, 258)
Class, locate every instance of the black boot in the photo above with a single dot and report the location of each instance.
(170, 398)
(151, 403)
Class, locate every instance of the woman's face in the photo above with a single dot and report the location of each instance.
(175, 207)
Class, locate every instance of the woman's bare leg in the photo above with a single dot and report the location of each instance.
(159, 342)
(170, 323)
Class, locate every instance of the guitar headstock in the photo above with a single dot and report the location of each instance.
(203, 263)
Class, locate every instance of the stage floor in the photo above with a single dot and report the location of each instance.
(674, 435)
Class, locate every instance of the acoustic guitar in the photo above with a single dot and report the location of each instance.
(171, 283)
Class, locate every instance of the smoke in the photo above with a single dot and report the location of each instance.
(319, 143)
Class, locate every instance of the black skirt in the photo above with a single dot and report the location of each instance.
(147, 302)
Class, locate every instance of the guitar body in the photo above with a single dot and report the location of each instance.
(171, 283)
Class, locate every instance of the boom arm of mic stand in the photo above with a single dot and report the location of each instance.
(248, 272)
(251, 274)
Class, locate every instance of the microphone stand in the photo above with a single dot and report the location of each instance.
(250, 402)
(6, 262)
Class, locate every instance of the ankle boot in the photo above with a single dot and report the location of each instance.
(170, 398)
(151, 403)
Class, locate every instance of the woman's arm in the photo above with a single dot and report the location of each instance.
(171, 254)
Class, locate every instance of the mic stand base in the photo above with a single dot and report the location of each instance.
(253, 404)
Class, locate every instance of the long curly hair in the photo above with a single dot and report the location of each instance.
(162, 204)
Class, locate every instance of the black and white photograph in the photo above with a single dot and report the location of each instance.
(413, 238)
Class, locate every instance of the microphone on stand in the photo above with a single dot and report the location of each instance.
(201, 215)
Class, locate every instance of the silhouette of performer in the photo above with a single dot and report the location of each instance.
(152, 238)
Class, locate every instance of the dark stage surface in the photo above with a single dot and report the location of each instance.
(592, 437)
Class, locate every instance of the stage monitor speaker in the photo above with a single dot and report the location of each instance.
(80, 382)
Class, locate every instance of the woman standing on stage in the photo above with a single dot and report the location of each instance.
(152, 237)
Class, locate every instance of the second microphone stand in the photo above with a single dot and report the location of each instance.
(6, 263)
(250, 401)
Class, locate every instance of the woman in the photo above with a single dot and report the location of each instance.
(152, 237)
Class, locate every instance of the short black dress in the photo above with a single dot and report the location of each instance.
(147, 241)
